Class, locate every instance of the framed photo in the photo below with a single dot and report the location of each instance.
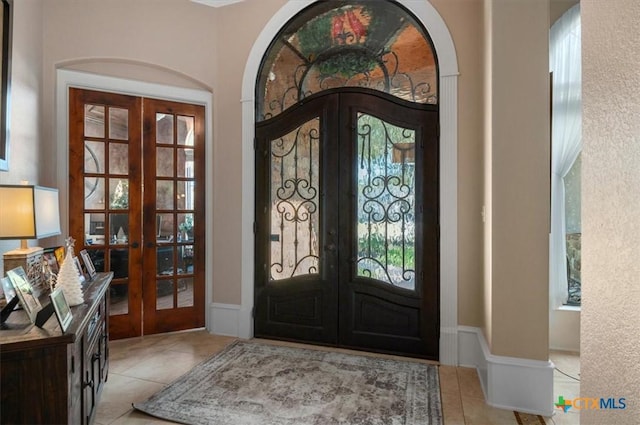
(88, 264)
(59, 253)
(76, 262)
(61, 307)
(24, 291)
(7, 288)
(49, 257)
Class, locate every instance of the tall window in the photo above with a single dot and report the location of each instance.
(566, 141)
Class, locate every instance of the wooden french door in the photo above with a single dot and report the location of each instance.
(136, 177)
(347, 240)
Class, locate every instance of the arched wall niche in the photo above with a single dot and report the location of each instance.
(134, 70)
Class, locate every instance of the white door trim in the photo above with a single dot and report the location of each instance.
(68, 78)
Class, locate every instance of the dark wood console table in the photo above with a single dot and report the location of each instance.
(53, 378)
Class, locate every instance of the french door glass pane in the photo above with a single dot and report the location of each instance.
(164, 294)
(164, 162)
(118, 158)
(94, 120)
(295, 192)
(185, 292)
(185, 130)
(185, 162)
(118, 123)
(164, 194)
(94, 193)
(164, 128)
(119, 299)
(93, 157)
(386, 202)
(119, 228)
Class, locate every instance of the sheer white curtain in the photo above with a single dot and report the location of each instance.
(566, 136)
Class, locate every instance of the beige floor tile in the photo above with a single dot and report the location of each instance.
(452, 408)
(469, 383)
(477, 412)
(119, 393)
(201, 344)
(164, 367)
(448, 379)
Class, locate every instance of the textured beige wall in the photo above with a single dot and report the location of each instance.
(243, 22)
(27, 147)
(610, 334)
(558, 7)
(520, 178)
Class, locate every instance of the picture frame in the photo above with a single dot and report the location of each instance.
(61, 308)
(24, 291)
(49, 256)
(8, 289)
(59, 253)
(76, 262)
(88, 264)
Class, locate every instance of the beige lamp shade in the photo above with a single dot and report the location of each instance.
(28, 212)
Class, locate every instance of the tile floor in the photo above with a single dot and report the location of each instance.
(139, 367)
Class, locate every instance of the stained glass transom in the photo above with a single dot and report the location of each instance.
(373, 44)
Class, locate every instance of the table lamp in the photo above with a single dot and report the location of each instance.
(28, 212)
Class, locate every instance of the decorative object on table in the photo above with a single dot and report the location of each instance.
(259, 383)
(8, 289)
(51, 266)
(49, 257)
(49, 276)
(28, 212)
(88, 264)
(79, 269)
(68, 277)
(61, 308)
(11, 298)
(25, 293)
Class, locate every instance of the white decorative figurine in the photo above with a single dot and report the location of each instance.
(69, 277)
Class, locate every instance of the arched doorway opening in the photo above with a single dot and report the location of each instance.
(347, 181)
(447, 81)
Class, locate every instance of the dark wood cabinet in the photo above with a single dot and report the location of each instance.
(53, 378)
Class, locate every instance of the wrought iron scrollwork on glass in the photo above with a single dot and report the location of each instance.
(386, 202)
(294, 202)
(361, 43)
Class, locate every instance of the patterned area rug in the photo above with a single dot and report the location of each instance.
(262, 384)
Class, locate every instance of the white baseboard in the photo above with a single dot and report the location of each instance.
(508, 382)
(224, 319)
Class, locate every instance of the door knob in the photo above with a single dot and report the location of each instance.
(135, 245)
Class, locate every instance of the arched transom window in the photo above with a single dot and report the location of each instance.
(331, 44)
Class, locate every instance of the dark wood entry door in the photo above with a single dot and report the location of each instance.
(347, 225)
(136, 186)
